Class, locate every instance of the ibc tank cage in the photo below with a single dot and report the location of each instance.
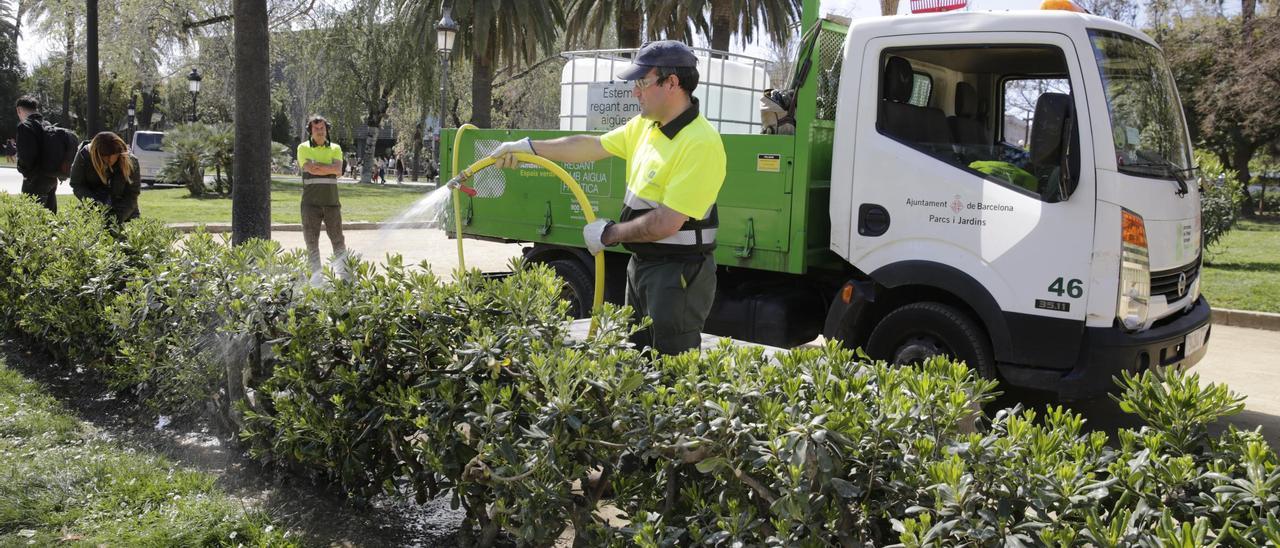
(730, 86)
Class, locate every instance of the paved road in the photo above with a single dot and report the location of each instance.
(1246, 360)
(11, 181)
(414, 245)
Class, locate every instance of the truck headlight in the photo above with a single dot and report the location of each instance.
(1135, 272)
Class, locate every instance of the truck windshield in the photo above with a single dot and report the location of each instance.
(1146, 118)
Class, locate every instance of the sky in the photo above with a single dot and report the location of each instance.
(33, 49)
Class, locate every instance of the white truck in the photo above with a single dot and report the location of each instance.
(1009, 188)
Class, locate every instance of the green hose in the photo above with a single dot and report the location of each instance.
(456, 183)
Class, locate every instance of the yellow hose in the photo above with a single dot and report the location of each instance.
(598, 297)
(457, 194)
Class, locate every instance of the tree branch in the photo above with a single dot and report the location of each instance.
(525, 72)
(188, 26)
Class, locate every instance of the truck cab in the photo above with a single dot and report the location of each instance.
(1012, 189)
(1038, 164)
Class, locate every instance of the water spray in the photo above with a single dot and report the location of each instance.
(458, 184)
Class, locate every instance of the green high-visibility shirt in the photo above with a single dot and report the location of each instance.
(319, 191)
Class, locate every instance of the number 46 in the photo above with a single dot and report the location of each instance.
(1075, 288)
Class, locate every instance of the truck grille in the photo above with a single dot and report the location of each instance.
(1166, 282)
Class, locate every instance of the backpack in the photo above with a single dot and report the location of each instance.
(58, 147)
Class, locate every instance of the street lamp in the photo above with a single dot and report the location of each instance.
(193, 85)
(133, 111)
(446, 32)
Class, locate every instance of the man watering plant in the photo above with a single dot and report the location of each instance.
(675, 167)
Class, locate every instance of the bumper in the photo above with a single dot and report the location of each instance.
(1106, 352)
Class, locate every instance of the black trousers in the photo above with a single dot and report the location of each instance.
(47, 199)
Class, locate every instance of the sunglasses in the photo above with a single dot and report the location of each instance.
(645, 83)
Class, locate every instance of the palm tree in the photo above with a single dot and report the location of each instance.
(588, 19)
(741, 17)
(251, 166)
(10, 19)
(503, 31)
(53, 18)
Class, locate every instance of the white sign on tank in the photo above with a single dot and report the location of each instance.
(610, 105)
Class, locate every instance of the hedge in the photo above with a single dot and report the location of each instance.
(389, 380)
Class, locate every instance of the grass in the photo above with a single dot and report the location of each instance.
(60, 484)
(1243, 270)
(359, 203)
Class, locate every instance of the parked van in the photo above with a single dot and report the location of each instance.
(148, 148)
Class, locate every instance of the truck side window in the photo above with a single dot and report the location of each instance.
(947, 112)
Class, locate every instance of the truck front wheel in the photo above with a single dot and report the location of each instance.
(919, 331)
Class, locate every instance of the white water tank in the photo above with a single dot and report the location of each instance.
(729, 89)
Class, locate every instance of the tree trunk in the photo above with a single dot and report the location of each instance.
(67, 65)
(482, 86)
(370, 148)
(721, 24)
(629, 23)
(1248, 8)
(92, 125)
(251, 160)
(417, 150)
(148, 110)
(888, 7)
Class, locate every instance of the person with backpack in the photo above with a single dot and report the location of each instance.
(105, 172)
(36, 180)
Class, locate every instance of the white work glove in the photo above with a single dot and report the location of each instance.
(593, 233)
(505, 154)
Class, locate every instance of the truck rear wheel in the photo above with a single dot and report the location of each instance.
(578, 286)
(919, 331)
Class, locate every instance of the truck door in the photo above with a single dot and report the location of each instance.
(960, 142)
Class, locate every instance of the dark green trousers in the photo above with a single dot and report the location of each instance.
(677, 296)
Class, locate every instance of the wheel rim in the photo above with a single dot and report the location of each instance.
(575, 304)
(918, 348)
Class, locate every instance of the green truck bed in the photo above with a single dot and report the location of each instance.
(773, 205)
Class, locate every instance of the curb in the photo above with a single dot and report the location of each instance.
(1246, 318)
(222, 228)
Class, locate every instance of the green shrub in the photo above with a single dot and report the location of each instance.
(1220, 200)
(389, 380)
(178, 320)
(189, 145)
(60, 272)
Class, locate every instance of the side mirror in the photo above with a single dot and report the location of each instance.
(1053, 145)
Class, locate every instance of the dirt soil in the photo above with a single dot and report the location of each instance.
(319, 513)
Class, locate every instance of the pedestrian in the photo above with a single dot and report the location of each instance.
(10, 150)
(675, 168)
(320, 162)
(30, 137)
(378, 165)
(104, 172)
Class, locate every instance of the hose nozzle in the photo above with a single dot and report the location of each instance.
(456, 183)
